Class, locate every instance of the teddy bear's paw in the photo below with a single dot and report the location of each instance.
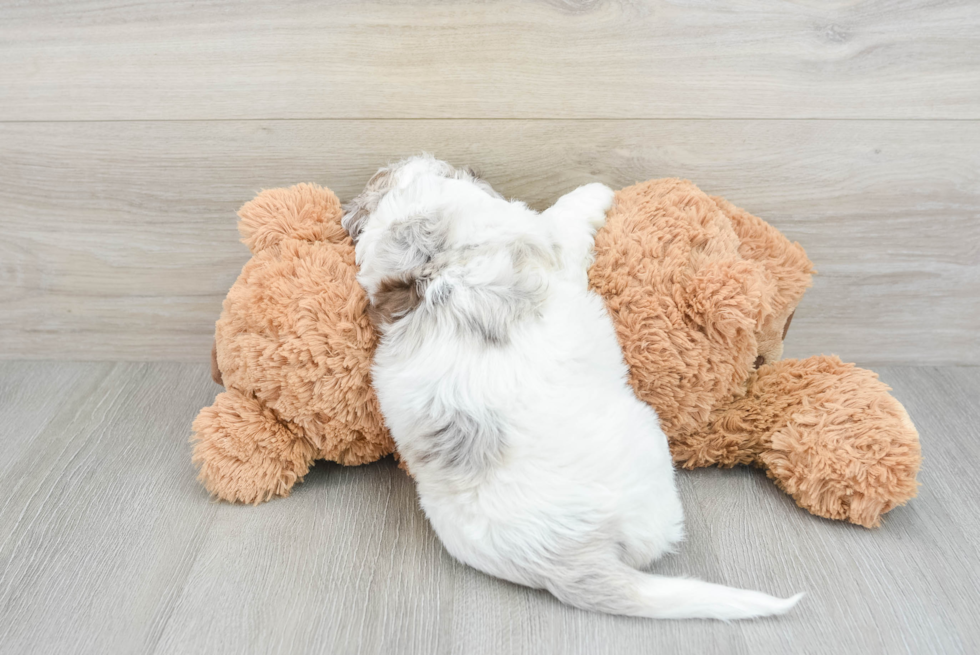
(849, 453)
(244, 453)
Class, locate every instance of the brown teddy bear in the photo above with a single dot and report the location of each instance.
(293, 348)
(701, 294)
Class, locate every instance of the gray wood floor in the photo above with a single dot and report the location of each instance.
(108, 544)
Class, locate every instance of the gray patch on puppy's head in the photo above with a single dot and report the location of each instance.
(360, 208)
(412, 242)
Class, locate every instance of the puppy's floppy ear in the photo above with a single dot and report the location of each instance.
(395, 297)
(405, 253)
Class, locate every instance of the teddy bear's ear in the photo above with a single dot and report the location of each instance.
(787, 265)
(785, 260)
(306, 212)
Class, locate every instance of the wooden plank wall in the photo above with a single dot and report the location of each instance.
(130, 134)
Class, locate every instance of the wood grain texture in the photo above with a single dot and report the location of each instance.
(120, 240)
(96, 533)
(108, 544)
(98, 59)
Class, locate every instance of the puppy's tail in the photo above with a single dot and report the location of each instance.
(624, 590)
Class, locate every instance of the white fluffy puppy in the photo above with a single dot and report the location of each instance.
(502, 382)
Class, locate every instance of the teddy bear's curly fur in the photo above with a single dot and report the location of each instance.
(701, 293)
(293, 347)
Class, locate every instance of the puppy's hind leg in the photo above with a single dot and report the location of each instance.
(575, 218)
(588, 203)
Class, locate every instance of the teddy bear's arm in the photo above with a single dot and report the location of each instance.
(244, 453)
(828, 433)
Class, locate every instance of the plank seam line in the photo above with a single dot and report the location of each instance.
(475, 119)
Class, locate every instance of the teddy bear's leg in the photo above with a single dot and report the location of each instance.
(848, 450)
(828, 433)
(575, 217)
(244, 453)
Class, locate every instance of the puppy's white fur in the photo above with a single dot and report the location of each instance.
(501, 379)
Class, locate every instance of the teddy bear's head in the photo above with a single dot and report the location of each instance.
(294, 333)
